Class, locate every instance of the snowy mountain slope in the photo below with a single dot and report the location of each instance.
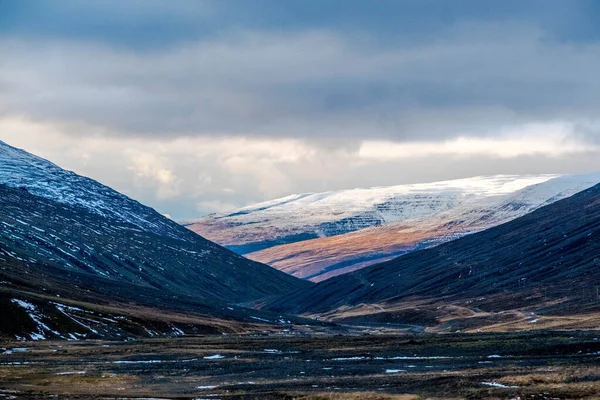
(50, 218)
(480, 212)
(316, 236)
(313, 215)
(40, 177)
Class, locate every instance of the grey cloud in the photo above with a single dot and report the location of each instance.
(190, 177)
(179, 99)
(318, 177)
(315, 84)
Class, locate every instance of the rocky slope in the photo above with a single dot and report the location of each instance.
(44, 302)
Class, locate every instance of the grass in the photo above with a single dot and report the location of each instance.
(532, 365)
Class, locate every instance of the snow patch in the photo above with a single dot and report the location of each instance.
(498, 385)
(72, 373)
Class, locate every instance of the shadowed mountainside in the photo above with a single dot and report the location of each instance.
(74, 239)
(41, 301)
(75, 223)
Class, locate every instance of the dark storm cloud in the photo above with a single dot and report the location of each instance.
(307, 69)
(143, 24)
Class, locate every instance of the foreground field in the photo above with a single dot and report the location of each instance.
(503, 366)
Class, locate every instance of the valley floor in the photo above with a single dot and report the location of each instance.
(529, 365)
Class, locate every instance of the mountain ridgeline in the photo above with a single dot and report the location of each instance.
(315, 236)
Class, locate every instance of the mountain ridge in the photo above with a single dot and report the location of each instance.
(43, 178)
(317, 236)
(60, 234)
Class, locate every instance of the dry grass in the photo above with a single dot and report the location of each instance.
(354, 396)
(309, 257)
(465, 316)
(563, 365)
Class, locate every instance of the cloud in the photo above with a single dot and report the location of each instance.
(551, 140)
(200, 106)
(174, 175)
(309, 84)
(192, 176)
(147, 166)
(205, 207)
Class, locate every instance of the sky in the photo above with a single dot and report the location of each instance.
(202, 106)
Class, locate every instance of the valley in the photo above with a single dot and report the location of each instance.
(299, 200)
(358, 365)
(491, 297)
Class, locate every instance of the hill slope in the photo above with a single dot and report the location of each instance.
(42, 178)
(317, 236)
(41, 301)
(548, 259)
(75, 239)
(66, 229)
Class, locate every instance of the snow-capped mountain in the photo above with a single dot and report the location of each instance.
(60, 223)
(319, 235)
